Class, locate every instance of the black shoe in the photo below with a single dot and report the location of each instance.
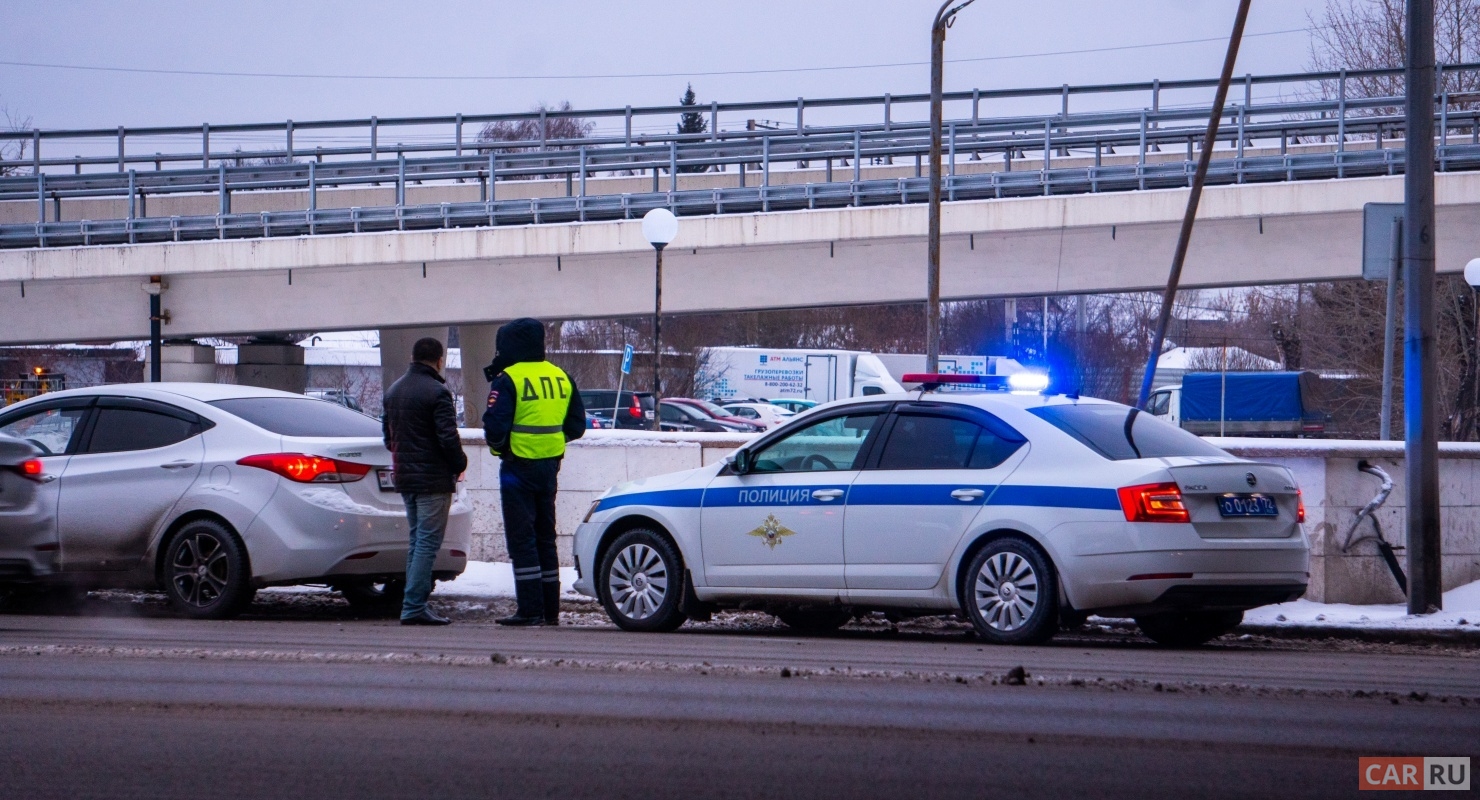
(426, 617)
(551, 591)
(521, 621)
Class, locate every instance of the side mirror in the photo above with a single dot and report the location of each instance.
(739, 461)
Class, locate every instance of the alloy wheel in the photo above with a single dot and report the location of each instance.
(200, 569)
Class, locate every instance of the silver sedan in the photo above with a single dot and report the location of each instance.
(207, 492)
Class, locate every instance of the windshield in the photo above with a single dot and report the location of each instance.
(300, 416)
(714, 410)
(1120, 433)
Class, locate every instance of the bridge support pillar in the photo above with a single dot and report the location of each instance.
(271, 365)
(477, 353)
(395, 352)
(185, 362)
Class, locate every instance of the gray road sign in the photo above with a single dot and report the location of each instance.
(1377, 238)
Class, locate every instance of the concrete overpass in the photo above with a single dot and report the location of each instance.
(1247, 234)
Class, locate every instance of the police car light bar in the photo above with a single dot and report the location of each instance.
(929, 381)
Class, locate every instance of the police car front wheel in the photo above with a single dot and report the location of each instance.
(641, 582)
(1011, 593)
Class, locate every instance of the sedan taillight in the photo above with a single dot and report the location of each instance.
(1153, 502)
(31, 468)
(308, 469)
(1300, 506)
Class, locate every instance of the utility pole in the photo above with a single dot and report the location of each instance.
(1421, 434)
(1184, 237)
(944, 18)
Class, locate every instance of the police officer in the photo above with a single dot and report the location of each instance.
(533, 410)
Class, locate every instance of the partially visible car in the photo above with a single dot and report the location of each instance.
(339, 396)
(795, 405)
(25, 514)
(597, 422)
(763, 414)
(633, 410)
(210, 492)
(718, 414)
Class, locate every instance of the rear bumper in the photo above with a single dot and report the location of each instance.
(297, 540)
(1236, 577)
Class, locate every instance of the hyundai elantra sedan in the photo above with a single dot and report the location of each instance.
(1017, 512)
(209, 492)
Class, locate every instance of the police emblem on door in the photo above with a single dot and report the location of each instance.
(771, 532)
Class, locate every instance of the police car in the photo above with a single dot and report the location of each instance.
(1022, 512)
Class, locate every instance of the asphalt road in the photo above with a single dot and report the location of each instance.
(120, 707)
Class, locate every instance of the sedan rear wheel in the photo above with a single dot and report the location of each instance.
(640, 582)
(1012, 595)
(205, 571)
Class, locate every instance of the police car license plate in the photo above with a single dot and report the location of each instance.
(1247, 505)
(387, 480)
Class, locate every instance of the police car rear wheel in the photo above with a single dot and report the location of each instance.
(641, 581)
(1012, 593)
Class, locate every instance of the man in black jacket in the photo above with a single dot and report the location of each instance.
(420, 426)
(533, 410)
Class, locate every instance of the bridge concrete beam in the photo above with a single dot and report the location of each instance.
(1248, 234)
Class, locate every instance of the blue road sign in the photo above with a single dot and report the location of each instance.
(627, 360)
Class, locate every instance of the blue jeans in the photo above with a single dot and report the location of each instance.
(427, 514)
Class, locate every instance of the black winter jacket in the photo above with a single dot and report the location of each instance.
(420, 426)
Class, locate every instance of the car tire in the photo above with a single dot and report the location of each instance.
(1188, 628)
(641, 582)
(374, 599)
(814, 619)
(206, 573)
(1011, 594)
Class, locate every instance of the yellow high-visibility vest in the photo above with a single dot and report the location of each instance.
(541, 399)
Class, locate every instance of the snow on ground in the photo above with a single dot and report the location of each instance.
(1461, 610)
(495, 579)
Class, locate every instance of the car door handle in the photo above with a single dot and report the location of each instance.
(178, 465)
(827, 494)
(967, 495)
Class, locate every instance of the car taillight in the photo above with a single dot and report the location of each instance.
(307, 469)
(1299, 506)
(1153, 502)
(636, 409)
(31, 468)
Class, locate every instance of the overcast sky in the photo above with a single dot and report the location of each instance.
(578, 41)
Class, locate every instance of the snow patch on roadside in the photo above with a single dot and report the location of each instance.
(1461, 612)
(488, 579)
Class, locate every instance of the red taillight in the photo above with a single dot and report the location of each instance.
(308, 469)
(636, 409)
(31, 468)
(1153, 502)
(1299, 506)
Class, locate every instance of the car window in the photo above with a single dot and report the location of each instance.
(831, 444)
(930, 442)
(300, 416)
(121, 429)
(1119, 433)
(53, 430)
(743, 412)
(1159, 403)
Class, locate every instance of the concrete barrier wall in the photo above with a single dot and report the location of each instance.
(1326, 470)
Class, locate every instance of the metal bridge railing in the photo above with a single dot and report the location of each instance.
(1355, 133)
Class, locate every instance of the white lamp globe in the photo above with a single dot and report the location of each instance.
(659, 226)
(1472, 272)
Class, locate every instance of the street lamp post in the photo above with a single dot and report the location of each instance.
(154, 287)
(944, 18)
(1472, 277)
(659, 226)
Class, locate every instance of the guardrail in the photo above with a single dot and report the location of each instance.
(1087, 137)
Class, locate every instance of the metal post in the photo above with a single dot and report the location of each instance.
(205, 145)
(1184, 237)
(41, 199)
(289, 130)
(156, 336)
(313, 198)
(583, 171)
(944, 18)
(629, 126)
(1390, 330)
(672, 166)
(1425, 590)
(374, 138)
(458, 137)
(121, 167)
(1341, 125)
(714, 122)
(658, 340)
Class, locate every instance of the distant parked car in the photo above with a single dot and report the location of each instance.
(336, 396)
(763, 414)
(718, 414)
(594, 422)
(633, 410)
(680, 416)
(210, 492)
(795, 405)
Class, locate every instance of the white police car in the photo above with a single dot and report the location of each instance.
(1020, 511)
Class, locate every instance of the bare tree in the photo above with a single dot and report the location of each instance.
(1368, 34)
(556, 130)
(13, 149)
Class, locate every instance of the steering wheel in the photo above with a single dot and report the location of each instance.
(46, 451)
(811, 460)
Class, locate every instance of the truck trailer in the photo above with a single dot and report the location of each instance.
(1244, 404)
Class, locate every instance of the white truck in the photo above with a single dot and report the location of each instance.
(823, 375)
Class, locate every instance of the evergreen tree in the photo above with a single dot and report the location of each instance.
(691, 122)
